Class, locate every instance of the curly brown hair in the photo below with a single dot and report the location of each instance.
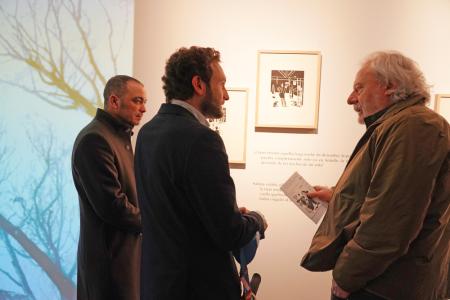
(182, 66)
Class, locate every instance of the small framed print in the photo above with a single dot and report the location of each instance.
(232, 127)
(442, 105)
(288, 90)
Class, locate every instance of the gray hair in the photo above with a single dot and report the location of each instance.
(399, 73)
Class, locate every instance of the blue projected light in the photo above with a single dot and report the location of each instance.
(55, 58)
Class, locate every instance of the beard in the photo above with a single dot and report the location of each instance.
(209, 107)
(358, 110)
(361, 119)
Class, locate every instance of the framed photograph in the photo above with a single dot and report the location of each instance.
(442, 105)
(232, 127)
(288, 90)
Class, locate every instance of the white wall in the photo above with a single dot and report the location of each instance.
(344, 32)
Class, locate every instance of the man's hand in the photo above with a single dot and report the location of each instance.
(337, 291)
(263, 218)
(321, 192)
(244, 210)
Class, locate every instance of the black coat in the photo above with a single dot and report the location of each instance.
(189, 214)
(110, 222)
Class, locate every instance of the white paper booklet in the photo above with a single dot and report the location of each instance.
(295, 188)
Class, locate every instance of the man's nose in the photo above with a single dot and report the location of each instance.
(352, 99)
(225, 95)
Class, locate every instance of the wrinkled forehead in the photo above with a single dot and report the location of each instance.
(363, 74)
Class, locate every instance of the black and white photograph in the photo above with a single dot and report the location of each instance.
(287, 88)
(307, 202)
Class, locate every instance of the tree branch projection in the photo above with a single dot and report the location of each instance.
(64, 65)
(63, 73)
(22, 281)
(37, 220)
(65, 286)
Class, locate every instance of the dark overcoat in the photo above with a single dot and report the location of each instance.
(189, 214)
(110, 223)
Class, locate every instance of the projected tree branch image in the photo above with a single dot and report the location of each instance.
(55, 57)
(36, 221)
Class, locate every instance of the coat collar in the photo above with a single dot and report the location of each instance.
(168, 108)
(398, 107)
(105, 117)
(390, 111)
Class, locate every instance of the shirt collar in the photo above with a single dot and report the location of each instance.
(372, 118)
(197, 114)
(393, 109)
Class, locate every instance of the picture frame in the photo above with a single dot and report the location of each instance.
(232, 127)
(442, 105)
(288, 91)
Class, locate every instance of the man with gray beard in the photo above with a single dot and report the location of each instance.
(386, 232)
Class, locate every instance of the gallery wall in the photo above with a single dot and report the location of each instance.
(344, 32)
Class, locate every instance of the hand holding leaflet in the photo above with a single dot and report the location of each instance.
(296, 189)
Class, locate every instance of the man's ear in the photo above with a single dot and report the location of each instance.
(113, 102)
(390, 88)
(199, 85)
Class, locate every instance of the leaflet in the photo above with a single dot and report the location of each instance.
(296, 188)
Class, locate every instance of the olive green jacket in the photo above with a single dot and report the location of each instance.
(387, 226)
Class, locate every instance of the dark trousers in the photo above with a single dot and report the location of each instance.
(359, 295)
